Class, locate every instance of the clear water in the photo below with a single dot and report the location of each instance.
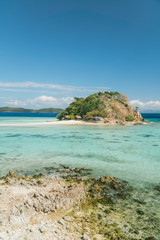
(15, 118)
(131, 153)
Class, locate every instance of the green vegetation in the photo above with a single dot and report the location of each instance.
(23, 110)
(94, 106)
(86, 108)
(130, 118)
(136, 109)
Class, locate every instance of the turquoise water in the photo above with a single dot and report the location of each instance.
(19, 118)
(131, 153)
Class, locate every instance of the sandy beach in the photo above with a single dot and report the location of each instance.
(71, 122)
(68, 122)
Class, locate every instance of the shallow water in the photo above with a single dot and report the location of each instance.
(131, 153)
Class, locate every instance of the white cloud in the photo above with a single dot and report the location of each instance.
(32, 85)
(49, 101)
(22, 90)
(54, 95)
(14, 102)
(149, 105)
(38, 102)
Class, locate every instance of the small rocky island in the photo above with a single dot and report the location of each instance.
(109, 108)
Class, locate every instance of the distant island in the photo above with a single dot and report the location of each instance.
(23, 110)
(103, 107)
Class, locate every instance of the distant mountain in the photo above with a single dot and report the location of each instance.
(23, 110)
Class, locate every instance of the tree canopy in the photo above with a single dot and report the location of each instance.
(82, 106)
(92, 106)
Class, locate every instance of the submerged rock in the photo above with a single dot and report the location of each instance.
(140, 212)
(12, 174)
(157, 188)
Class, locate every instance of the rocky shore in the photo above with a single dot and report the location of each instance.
(70, 205)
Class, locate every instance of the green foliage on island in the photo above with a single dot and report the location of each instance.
(23, 110)
(129, 118)
(99, 105)
(84, 107)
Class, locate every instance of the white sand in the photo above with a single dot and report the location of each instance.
(68, 122)
(50, 123)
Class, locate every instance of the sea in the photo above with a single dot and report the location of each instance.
(130, 153)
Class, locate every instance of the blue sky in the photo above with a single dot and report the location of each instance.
(51, 51)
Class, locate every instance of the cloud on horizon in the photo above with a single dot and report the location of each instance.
(49, 91)
(38, 102)
(51, 101)
(149, 105)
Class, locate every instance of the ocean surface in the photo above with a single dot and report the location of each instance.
(131, 153)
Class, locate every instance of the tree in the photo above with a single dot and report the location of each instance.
(136, 109)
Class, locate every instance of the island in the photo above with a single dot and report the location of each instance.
(110, 108)
(24, 110)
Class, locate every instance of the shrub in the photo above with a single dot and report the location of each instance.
(70, 117)
(129, 118)
(106, 121)
(103, 114)
(125, 104)
(61, 115)
(92, 114)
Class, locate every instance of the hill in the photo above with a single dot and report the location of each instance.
(106, 107)
(23, 110)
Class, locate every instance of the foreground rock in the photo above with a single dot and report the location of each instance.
(42, 207)
(33, 208)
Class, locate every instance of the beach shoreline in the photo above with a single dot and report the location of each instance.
(71, 122)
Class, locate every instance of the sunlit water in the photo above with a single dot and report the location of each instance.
(131, 153)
